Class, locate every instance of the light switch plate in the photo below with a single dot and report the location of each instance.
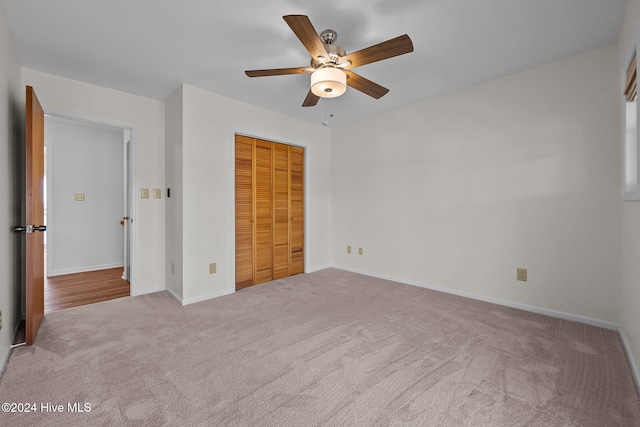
(144, 193)
(212, 268)
(157, 193)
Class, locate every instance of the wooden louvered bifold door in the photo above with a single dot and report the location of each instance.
(244, 211)
(263, 213)
(296, 196)
(280, 211)
(269, 206)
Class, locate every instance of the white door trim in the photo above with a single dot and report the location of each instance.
(132, 181)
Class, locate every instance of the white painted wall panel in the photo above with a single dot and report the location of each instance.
(210, 121)
(11, 188)
(146, 116)
(89, 160)
(460, 190)
(174, 216)
(629, 309)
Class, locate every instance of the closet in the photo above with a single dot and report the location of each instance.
(269, 210)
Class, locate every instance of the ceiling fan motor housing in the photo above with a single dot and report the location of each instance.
(335, 52)
(329, 36)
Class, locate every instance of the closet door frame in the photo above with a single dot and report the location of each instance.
(233, 194)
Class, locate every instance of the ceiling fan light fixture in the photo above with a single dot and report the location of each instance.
(328, 82)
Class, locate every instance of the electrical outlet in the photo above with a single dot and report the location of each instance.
(212, 268)
(348, 249)
(521, 274)
(359, 251)
(144, 193)
(79, 197)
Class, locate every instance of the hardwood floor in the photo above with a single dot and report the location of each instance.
(72, 290)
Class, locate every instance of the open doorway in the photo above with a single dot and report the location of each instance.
(87, 203)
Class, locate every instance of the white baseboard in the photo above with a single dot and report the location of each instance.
(83, 269)
(174, 296)
(630, 358)
(322, 267)
(146, 291)
(183, 301)
(5, 359)
(526, 307)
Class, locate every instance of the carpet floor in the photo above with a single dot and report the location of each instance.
(330, 348)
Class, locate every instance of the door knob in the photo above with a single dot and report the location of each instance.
(29, 228)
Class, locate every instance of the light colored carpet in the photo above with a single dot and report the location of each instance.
(330, 348)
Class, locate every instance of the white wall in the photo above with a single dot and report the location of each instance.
(209, 124)
(72, 98)
(629, 309)
(174, 217)
(460, 190)
(88, 159)
(11, 187)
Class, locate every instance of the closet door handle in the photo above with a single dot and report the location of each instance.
(251, 221)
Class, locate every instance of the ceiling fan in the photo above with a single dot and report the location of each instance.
(331, 66)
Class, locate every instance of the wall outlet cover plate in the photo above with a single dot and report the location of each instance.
(521, 274)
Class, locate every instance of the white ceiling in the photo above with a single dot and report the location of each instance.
(150, 47)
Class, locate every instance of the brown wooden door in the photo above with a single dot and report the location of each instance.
(280, 211)
(244, 211)
(269, 210)
(34, 171)
(296, 196)
(263, 182)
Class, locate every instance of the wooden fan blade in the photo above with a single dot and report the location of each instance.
(394, 47)
(278, 71)
(303, 29)
(311, 100)
(365, 86)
